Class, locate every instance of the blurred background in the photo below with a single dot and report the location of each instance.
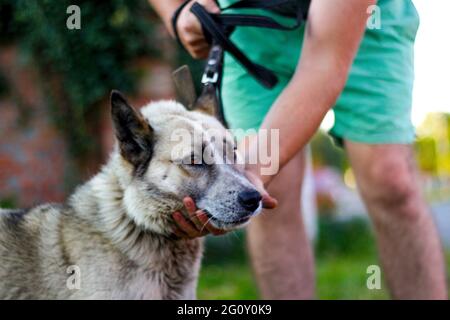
(55, 129)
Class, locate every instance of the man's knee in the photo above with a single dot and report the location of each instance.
(391, 184)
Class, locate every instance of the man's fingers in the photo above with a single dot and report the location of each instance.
(268, 202)
(210, 5)
(185, 225)
(177, 231)
(199, 53)
(190, 205)
(191, 208)
(190, 30)
(205, 222)
(198, 223)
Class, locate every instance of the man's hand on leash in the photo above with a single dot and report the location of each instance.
(190, 30)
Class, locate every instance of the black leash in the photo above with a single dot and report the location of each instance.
(218, 28)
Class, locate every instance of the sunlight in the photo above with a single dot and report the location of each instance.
(432, 63)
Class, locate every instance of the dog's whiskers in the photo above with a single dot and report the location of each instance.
(207, 221)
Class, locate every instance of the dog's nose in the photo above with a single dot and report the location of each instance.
(249, 199)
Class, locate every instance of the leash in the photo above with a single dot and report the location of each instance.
(211, 79)
(217, 29)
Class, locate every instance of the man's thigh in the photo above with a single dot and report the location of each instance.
(375, 105)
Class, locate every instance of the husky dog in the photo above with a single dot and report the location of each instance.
(113, 238)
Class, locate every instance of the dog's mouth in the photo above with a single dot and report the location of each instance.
(240, 221)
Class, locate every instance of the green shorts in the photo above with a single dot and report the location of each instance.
(374, 107)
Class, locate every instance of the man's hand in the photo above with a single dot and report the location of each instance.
(268, 202)
(190, 30)
(196, 226)
(248, 148)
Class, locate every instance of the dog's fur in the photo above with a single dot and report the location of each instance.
(115, 232)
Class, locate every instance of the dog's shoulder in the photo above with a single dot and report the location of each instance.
(12, 217)
(14, 220)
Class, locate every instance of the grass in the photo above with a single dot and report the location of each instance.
(344, 250)
(214, 285)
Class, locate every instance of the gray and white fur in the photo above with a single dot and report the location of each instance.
(113, 238)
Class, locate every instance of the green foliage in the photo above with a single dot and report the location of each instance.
(344, 237)
(79, 67)
(326, 153)
(8, 203)
(426, 154)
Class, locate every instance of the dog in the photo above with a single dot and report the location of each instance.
(113, 238)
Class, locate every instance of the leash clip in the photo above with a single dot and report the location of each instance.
(211, 74)
(208, 78)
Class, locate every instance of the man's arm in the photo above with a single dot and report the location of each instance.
(333, 33)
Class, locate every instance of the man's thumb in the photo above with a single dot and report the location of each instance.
(211, 6)
(269, 202)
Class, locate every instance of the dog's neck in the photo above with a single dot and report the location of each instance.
(104, 194)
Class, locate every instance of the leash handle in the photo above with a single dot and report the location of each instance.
(218, 27)
(265, 76)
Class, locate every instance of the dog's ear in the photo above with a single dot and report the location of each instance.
(134, 134)
(207, 101)
(184, 86)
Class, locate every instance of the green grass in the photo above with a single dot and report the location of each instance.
(337, 278)
(343, 253)
(231, 281)
(345, 278)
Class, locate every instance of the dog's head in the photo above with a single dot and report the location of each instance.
(167, 153)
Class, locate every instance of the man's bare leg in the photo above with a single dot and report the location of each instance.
(281, 254)
(409, 247)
